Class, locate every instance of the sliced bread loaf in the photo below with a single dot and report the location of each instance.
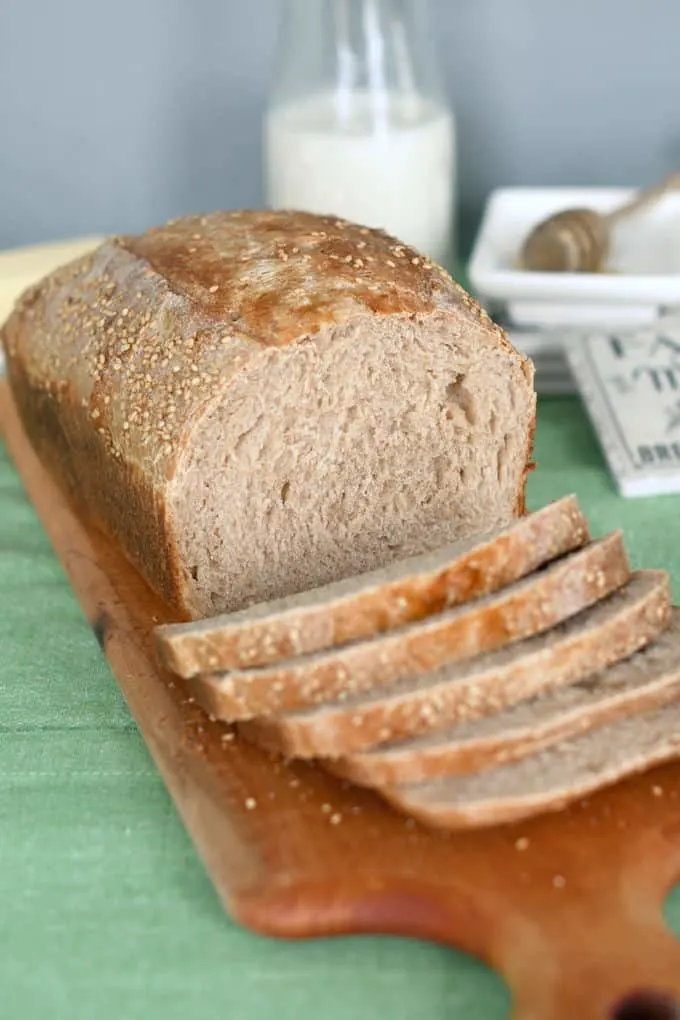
(254, 403)
(611, 630)
(378, 601)
(552, 778)
(631, 686)
(527, 607)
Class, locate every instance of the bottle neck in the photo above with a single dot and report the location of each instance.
(376, 49)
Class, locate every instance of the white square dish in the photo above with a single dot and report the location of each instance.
(643, 271)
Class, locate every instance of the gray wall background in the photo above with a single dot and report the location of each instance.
(118, 115)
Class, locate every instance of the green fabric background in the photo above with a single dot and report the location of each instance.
(105, 911)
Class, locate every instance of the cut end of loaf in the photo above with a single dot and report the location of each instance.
(422, 425)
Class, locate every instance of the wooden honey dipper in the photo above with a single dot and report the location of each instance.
(578, 240)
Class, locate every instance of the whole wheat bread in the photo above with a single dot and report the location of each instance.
(551, 779)
(375, 602)
(526, 607)
(257, 403)
(610, 630)
(632, 685)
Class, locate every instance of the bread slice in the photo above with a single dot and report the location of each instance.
(630, 686)
(375, 602)
(527, 607)
(612, 629)
(551, 779)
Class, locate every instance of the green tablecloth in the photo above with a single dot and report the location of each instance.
(105, 911)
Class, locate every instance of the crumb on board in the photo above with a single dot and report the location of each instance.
(522, 844)
(251, 803)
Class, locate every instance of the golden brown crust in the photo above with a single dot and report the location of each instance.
(114, 357)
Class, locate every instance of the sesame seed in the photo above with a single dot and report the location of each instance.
(214, 288)
(335, 819)
(559, 881)
(251, 803)
(522, 844)
(657, 791)
(326, 809)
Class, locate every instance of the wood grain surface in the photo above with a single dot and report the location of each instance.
(566, 907)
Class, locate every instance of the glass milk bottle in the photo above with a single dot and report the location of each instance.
(357, 125)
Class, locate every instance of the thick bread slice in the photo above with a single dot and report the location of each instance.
(612, 629)
(554, 777)
(378, 601)
(527, 607)
(633, 685)
(255, 403)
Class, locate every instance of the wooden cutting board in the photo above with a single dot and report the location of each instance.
(567, 907)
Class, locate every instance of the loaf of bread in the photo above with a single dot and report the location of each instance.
(255, 404)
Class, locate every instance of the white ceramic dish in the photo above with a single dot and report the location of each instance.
(643, 273)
